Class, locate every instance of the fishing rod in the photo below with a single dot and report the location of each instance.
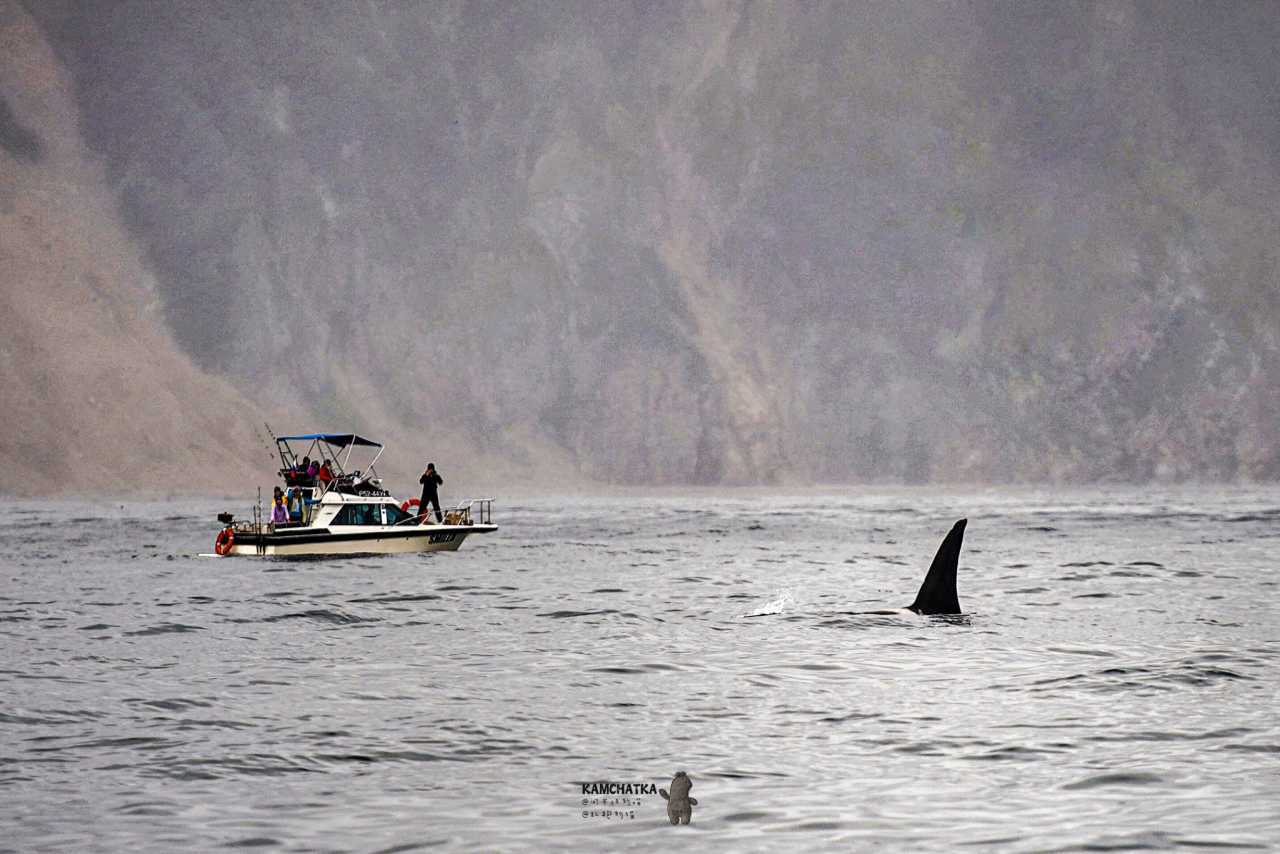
(283, 461)
(258, 433)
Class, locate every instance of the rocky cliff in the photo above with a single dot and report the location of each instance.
(96, 394)
(713, 243)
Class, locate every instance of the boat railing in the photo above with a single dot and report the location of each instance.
(483, 511)
(473, 511)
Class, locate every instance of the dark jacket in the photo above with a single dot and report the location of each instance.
(429, 483)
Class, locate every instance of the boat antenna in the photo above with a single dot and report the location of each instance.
(257, 518)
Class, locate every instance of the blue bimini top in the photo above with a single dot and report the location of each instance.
(339, 440)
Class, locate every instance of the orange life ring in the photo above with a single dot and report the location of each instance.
(412, 502)
(226, 539)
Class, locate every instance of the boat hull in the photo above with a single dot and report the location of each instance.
(309, 542)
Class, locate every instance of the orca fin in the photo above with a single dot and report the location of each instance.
(938, 592)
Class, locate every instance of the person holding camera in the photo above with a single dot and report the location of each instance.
(431, 481)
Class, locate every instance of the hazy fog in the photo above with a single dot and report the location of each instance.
(723, 243)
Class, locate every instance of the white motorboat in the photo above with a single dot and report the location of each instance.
(345, 511)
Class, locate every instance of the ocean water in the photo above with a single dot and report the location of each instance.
(1112, 687)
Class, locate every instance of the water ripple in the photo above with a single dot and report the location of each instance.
(1110, 687)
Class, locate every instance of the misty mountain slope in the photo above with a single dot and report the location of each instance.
(96, 395)
(730, 242)
(1159, 153)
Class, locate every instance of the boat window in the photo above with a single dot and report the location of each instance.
(358, 514)
(394, 514)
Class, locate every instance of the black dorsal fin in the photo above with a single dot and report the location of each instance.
(938, 593)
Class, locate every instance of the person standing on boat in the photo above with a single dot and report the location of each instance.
(430, 481)
(295, 502)
(279, 513)
(300, 472)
